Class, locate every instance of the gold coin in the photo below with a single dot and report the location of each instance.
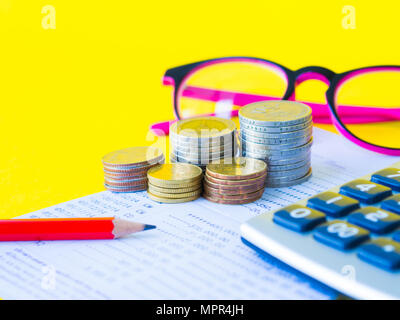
(175, 195)
(135, 156)
(169, 200)
(202, 127)
(275, 113)
(194, 183)
(238, 168)
(174, 174)
(175, 190)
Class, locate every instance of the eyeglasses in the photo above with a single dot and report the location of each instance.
(363, 104)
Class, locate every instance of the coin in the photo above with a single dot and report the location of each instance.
(275, 130)
(125, 184)
(128, 170)
(126, 189)
(198, 149)
(193, 161)
(208, 128)
(276, 144)
(169, 200)
(283, 184)
(237, 190)
(273, 168)
(262, 149)
(236, 182)
(123, 176)
(235, 196)
(287, 161)
(133, 157)
(175, 195)
(238, 168)
(179, 189)
(173, 174)
(277, 135)
(288, 174)
(224, 201)
(203, 155)
(244, 185)
(275, 113)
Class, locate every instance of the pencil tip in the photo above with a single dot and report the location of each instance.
(148, 227)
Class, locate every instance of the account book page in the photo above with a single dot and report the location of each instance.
(195, 252)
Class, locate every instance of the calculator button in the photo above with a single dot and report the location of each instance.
(392, 204)
(389, 177)
(333, 204)
(298, 218)
(383, 253)
(396, 236)
(340, 234)
(365, 191)
(375, 220)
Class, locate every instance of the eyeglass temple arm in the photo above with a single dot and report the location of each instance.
(320, 112)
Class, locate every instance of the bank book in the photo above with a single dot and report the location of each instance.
(195, 252)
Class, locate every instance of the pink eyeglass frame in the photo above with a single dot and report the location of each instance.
(322, 113)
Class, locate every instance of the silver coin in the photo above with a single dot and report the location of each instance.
(280, 179)
(203, 154)
(263, 129)
(263, 149)
(275, 141)
(229, 137)
(198, 162)
(291, 166)
(274, 124)
(131, 167)
(188, 148)
(282, 135)
(279, 160)
(283, 146)
(289, 161)
(301, 171)
(284, 184)
(275, 113)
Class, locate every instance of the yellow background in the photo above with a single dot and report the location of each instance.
(93, 85)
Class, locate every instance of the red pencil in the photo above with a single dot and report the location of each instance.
(68, 229)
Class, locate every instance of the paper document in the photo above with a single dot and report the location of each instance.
(195, 252)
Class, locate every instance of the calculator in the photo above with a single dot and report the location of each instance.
(347, 237)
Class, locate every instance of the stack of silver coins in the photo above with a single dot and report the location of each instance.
(280, 133)
(201, 140)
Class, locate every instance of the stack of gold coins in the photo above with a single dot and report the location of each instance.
(126, 170)
(202, 140)
(235, 181)
(280, 133)
(174, 182)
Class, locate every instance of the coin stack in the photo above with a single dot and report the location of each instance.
(175, 182)
(235, 181)
(126, 170)
(201, 140)
(280, 133)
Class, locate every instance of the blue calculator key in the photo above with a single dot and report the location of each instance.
(333, 204)
(365, 191)
(389, 177)
(340, 234)
(375, 220)
(392, 204)
(382, 252)
(298, 218)
(396, 236)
